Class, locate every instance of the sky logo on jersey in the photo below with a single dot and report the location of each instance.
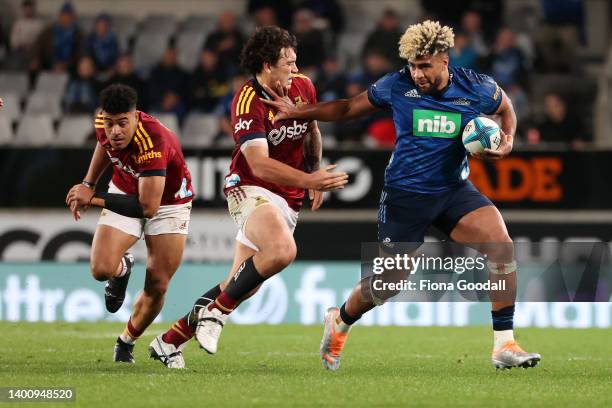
(433, 123)
(243, 125)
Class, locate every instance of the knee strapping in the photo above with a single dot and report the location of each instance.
(501, 268)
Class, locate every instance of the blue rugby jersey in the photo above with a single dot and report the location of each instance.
(429, 156)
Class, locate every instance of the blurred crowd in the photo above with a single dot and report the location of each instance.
(483, 42)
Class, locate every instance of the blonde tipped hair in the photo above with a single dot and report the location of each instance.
(426, 38)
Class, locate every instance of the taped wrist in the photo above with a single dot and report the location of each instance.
(123, 204)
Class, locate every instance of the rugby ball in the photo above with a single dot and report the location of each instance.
(481, 133)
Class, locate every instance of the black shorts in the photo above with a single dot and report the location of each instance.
(405, 217)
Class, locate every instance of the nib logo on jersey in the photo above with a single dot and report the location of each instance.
(292, 132)
(433, 123)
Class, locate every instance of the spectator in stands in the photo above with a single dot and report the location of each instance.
(385, 38)
(125, 74)
(452, 12)
(507, 60)
(262, 12)
(265, 16)
(471, 25)
(565, 13)
(167, 84)
(375, 65)
(172, 103)
(102, 44)
(82, 91)
(208, 83)
(329, 11)
(311, 41)
(24, 33)
(520, 101)
(463, 54)
(352, 131)
(58, 46)
(330, 80)
(559, 125)
(558, 39)
(223, 111)
(226, 41)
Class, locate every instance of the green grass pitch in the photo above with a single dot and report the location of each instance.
(279, 366)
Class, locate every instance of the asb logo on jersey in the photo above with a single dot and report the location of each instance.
(433, 123)
(292, 132)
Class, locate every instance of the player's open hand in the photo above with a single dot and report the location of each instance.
(326, 180)
(79, 198)
(280, 101)
(503, 150)
(316, 199)
(1, 103)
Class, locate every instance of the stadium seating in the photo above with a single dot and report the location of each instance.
(199, 130)
(86, 22)
(148, 49)
(73, 130)
(125, 27)
(14, 82)
(199, 23)
(12, 109)
(349, 49)
(43, 102)
(35, 130)
(169, 120)
(188, 46)
(51, 83)
(158, 23)
(6, 130)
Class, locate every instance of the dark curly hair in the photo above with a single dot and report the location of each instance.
(265, 46)
(118, 98)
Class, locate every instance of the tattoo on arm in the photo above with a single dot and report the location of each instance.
(313, 148)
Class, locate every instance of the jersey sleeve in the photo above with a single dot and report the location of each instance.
(490, 94)
(99, 129)
(379, 93)
(248, 115)
(153, 150)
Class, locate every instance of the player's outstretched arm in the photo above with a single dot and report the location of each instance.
(338, 110)
(274, 171)
(507, 131)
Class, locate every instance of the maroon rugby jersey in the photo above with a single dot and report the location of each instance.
(252, 119)
(154, 151)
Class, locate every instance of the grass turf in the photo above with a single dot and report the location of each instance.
(279, 366)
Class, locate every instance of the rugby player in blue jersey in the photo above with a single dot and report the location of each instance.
(426, 179)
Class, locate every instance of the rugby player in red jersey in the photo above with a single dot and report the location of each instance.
(264, 188)
(150, 193)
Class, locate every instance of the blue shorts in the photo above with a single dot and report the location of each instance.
(405, 217)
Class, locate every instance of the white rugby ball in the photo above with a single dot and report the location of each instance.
(481, 133)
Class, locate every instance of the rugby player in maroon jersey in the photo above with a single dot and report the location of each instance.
(150, 193)
(272, 165)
